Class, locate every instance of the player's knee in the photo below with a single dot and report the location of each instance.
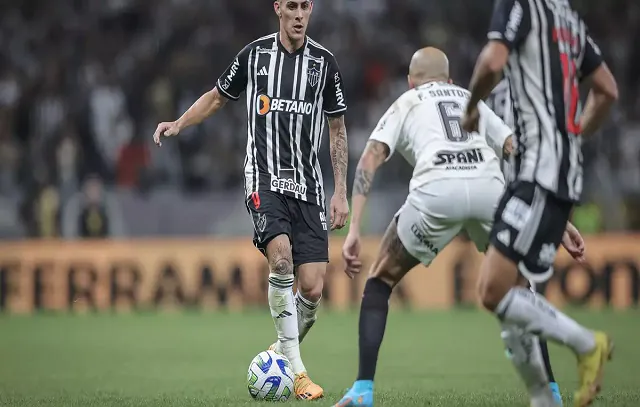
(383, 274)
(490, 294)
(312, 293)
(282, 266)
(386, 271)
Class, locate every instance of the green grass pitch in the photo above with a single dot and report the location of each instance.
(428, 359)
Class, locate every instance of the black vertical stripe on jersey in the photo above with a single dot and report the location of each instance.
(557, 75)
(558, 86)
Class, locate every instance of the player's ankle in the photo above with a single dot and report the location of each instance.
(363, 385)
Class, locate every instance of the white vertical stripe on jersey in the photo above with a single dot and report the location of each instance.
(251, 165)
(291, 135)
(315, 115)
(302, 92)
(271, 116)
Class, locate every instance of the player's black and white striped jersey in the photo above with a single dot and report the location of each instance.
(550, 51)
(500, 102)
(288, 96)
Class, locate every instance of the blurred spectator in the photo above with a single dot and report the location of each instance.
(92, 213)
(111, 125)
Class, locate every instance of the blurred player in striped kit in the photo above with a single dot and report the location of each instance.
(500, 102)
(545, 51)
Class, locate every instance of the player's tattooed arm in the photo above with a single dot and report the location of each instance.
(375, 153)
(339, 153)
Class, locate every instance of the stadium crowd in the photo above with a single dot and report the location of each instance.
(84, 83)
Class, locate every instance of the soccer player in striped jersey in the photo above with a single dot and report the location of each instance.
(293, 87)
(500, 102)
(544, 50)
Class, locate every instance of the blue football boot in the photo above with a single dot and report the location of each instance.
(360, 395)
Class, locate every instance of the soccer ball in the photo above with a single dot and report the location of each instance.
(270, 377)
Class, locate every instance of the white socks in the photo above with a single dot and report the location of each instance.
(535, 315)
(525, 354)
(306, 318)
(306, 314)
(283, 311)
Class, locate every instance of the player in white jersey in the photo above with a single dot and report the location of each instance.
(456, 185)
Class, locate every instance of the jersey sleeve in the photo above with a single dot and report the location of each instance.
(335, 102)
(591, 58)
(388, 129)
(233, 80)
(493, 129)
(510, 22)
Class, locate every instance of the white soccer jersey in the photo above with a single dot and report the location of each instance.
(423, 125)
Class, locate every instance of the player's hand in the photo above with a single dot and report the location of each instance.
(339, 211)
(470, 119)
(351, 254)
(574, 243)
(166, 129)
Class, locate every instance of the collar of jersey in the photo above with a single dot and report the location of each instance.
(424, 85)
(296, 52)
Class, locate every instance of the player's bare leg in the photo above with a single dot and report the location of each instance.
(283, 311)
(501, 291)
(310, 285)
(391, 265)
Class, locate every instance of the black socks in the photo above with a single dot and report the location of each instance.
(373, 320)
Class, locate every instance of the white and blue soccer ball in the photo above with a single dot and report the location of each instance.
(270, 377)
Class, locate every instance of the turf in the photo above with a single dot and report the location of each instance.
(432, 359)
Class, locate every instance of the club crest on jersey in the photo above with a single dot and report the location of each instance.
(265, 104)
(313, 76)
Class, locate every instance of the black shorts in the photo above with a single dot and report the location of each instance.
(528, 228)
(305, 223)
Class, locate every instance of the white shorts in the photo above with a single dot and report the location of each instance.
(435, 213)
